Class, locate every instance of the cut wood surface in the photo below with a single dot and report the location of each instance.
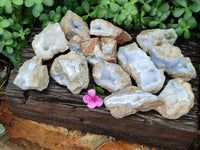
(58, 106)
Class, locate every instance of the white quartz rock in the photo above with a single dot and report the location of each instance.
(170, 59)
(147, 39)
(136, 62)
(71, 70)
(50, 42)
(32, 75)
(130, 100)
(178, 99)
(110, 76)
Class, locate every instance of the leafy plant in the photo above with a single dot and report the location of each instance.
(98, 89)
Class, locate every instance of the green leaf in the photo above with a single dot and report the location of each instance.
(27, 20)
(178, 12)
(192, 23)
(38, 1)
(64, 10)
(104, 2)
(59, 9)
(37, 9)
(4, 137)
(153, 24)
(48, 2)
(27, 31)
(129, 18)
(1, 30)
(9, 42)
(158, 3)
(2, 129)
(85, 17)
(101, 12)
(29, 3)
(17, 2)
(183, 3)
(121, 18)
(43, 17)
(79, 10)
(86, 6)
(153, 11)
(11, 22)
(134, 10)
(16, 27)
(115, 18)
(9, 49)
(2, 3)
(98, 89)
(114, 7)
(182, 22)
(164, 7)
(9, 10)
(7, 35)
(122, 2)
(93, 14)
(164, 16)
(110, 14)
(4, 23)
(195, 7)
(162, 26)
(52, 14)
(57, 17)
(188, 12)
(179, 31)
(133, 1)
(186, 34)
(147, 7)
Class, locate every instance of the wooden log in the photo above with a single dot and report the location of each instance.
(56, 105)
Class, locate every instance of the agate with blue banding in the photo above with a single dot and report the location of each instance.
(110, 76)
(71, 70)
(178, 99)
(170, 59)
(136, 62)
(130, 100)
(147, 39)
(50, 42)
(32, 75)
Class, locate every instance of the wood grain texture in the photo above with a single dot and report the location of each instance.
(56, 105)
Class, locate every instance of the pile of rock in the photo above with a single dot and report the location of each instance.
(146, 66)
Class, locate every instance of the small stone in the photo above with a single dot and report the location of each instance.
(75, 45)
(136, 62)
(50, 42)
(97, 51)
(71, 70)
(147, 39)
(178, 99)
(100, 27)
(130, 100)
(110, 76)
(72, 25)
(170, 58)
(32, 75)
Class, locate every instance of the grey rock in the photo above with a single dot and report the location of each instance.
(50, 42)
(170, 59)
(71, 70)
(130, 100)
(32, 75)
(110, 76)
(178, 99)
(147, 39)
(136, 62)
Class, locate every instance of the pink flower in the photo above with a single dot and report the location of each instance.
(91, 100)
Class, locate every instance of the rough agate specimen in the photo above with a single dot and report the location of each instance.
(50, 42)
(96, 50)
(170, 59)
(72, 25)
(136, 62)
(147, 39)
(75, 44)
(71, 70)
(178, 99)
(100, 27)
(32, 75)
(130, 100)
(110, 76)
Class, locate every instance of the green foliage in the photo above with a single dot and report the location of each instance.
(143, 14)
(3, 135)
(16, 23)
(98, 89)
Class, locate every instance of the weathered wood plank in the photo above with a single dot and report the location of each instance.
(56, 105)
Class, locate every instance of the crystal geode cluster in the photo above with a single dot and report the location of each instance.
(145, 65)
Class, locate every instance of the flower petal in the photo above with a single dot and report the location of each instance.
(91, 104)
(98, 101)
(91, 92)
(86, 99)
